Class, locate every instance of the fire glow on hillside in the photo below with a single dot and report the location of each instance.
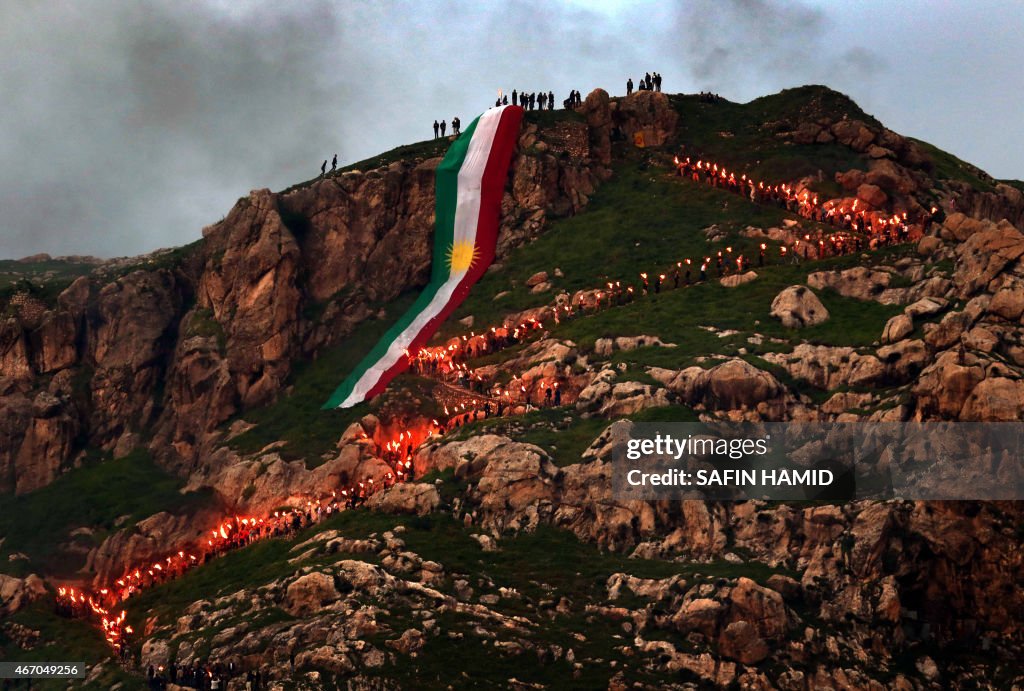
(466, 395)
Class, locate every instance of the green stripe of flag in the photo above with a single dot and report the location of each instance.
(446, 186)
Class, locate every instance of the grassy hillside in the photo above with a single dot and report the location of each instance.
(101, 496)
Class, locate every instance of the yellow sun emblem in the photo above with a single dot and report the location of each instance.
(462, 255)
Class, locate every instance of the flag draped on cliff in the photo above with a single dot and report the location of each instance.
(470, 183)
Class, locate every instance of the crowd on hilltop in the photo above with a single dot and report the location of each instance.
(650, 82)
(537, 100)
(440, 128)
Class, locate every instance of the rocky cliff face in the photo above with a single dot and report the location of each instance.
(164, 356)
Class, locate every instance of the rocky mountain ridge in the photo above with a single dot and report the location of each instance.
(173, 357)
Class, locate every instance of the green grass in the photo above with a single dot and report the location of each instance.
(642, 219)
(547, 118)
(750, 145)
(545, 564)
(561, 432)
(13, 272)
(296, 417)
(95, 496)
(62, 639)
(203, 323)
(949, 167)
(415, 152)
(675, 316)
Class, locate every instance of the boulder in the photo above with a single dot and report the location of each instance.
(943, 387)
(859, 282)
(925, 307)
(605, 346)
(929, 245)
(854, 134)
(896, 328)
(627, 398)
(984, 254)
(733, 280)
(701, 615)
(948, 331)
(1008, 302)
(872, 195)
(761, 607)
(875, 151)
(851, 179)
(903, 360)
(996, 399)
(891, 177)
(419, 498)
(737, 383)
(647, 112)
(798, 307)
(981, 338)
(739, 641)
(18, 592)
(830, 367)
(308, 594)
(537, 279)
(515, 482)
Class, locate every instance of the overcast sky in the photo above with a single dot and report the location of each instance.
(128, 126)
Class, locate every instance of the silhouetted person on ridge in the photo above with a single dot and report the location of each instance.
(629, 87)
(515, 97)
(551, 100)
(443, 127)
(436, 128)
(334, 163)
(323, 168)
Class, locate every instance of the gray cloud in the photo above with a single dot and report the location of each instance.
(132, 125)
(742, 42)
(128, 126)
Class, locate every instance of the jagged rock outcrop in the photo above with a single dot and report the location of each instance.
(179, 351)
(831, 367)
(647, 114)
(16, 592)
(406, 497)
(733, 385)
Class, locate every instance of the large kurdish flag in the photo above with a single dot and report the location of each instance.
(470, 183)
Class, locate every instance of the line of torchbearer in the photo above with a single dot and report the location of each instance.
(856, 228)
